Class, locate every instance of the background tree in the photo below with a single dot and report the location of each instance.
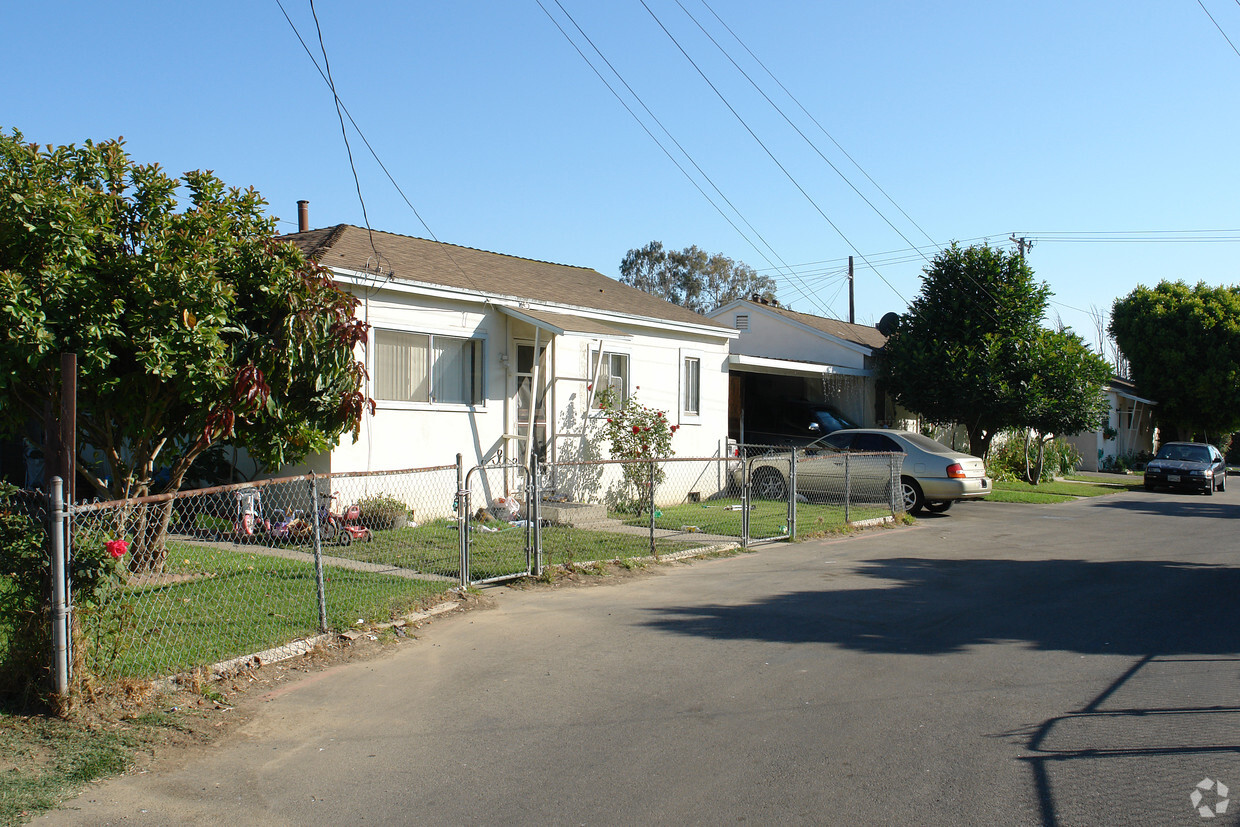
(951, 357)
(1061, 392)
(691, 278)
(971, 350)
(1183, 348)
(192, 326)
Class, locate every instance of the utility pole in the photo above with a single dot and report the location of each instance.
(852, 307)
(1023, 243)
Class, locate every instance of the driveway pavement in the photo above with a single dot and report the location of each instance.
(1001, 664)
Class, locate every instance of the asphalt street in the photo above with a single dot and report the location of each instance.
(1000, 664)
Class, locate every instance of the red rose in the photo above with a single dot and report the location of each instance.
(610, 421)
(637, 429)
(589, 387)
(116, 548)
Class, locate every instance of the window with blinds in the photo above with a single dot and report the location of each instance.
(421, 367)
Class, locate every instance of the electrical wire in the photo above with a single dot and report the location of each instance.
(1220, 28)
(808, 295)
(796, 128)
(762, 144)
(375, 154)
(815, 120)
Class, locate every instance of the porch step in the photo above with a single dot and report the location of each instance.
(578, 515)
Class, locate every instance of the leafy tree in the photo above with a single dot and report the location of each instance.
(192, 325)
(971, 349)
(1062, 392)
(691, 278)
(1183, 348)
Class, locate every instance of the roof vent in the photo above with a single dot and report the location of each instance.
(742, 321)
(303, 216)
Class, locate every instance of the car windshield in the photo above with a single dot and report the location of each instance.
(1184, 453)
(830, 421)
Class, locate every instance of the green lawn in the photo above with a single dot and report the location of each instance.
(767, 518)
(1057, 492)
(434, 548)
(219, 604)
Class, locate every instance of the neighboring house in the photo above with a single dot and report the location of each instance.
(1129, 430)
(452, 355)
(780, 354)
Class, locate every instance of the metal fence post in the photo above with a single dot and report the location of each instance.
(532, 534)
(744, 499)
(60, 613)
(318, 553)
(650, 505)
(462, 525)
(847, 487)
(791, 495)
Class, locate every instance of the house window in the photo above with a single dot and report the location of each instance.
(742, 321)
(420, 367)
(613, 373)
(692, 386)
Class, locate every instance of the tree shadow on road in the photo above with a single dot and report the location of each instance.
(933, 606)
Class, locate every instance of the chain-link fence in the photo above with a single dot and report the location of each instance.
(169, 583)
(210, 575)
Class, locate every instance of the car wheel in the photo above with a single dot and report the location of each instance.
(938, 507)
(910, 491)
(769, 484)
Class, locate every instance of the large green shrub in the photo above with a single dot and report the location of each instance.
(95, 570)
(1007, 460)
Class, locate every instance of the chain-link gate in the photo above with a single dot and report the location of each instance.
(497, 517)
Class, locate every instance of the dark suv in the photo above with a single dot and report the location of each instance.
(794, 423)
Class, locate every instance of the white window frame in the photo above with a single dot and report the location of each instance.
(609, 351)
(478, 384)
(687, 417)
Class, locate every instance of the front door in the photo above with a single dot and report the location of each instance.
(527, 396)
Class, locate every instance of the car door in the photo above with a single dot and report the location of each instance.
(872, 473)
(820, 467)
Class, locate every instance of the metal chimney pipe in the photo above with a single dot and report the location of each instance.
(303, 216)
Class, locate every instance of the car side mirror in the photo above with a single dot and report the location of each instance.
(814, 426)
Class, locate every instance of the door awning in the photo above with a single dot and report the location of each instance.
(562, 324)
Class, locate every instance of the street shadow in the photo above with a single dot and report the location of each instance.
(1183, 504)
(1143, 740)
(931, 607)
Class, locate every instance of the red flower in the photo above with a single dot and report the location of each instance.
(589, 387)
(637, 429)
(610, 421)
(116, 548)
(660, 414)
(674, 427)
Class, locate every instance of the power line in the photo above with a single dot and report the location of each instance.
(792, 276)
(814, 120)
(754, 135)
(1220, 28)
(795, 128)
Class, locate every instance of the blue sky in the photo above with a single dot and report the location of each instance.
(978, 119)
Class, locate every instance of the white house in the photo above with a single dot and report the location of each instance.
(785, 354)
(452, 365)
(1129, 430)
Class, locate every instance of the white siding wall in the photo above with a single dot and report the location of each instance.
(778, 338)
(419, 435)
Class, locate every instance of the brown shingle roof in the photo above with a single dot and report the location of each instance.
(857, 333)
(433, 262)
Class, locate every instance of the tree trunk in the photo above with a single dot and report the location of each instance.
(150, 533)
(979, 440)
